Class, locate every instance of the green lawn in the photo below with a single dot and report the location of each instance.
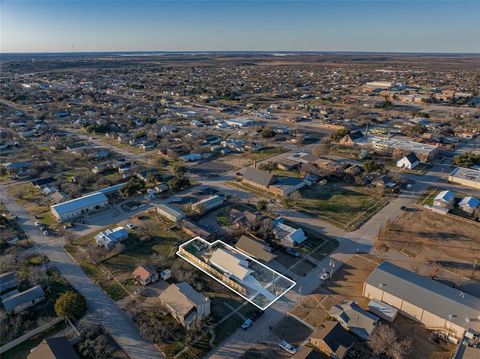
(338, 203)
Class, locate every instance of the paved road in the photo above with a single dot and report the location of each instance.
(100, 305)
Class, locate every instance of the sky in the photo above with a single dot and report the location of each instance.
(249, 25)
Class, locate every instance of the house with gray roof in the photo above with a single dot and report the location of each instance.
(23, 300)
(354, 319)
(8, 281)
(255, 248)
(184, 303)
(432, 303)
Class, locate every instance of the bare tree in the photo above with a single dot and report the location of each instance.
(384, 341)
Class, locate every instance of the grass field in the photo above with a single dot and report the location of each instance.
(340, 203)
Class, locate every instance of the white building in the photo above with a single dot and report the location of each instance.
(170, 213)
(444, 199)
(469, 204)
(110, 237)
(79, 206)
(409, 161)
(465, 176)
(230, 263)
(239, 122)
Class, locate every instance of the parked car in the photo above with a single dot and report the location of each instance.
(293, 252)
(37, 223)
(287, 347)
(131, 226)
(247, 324)
(325, 276)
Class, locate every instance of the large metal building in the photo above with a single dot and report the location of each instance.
(432, 303)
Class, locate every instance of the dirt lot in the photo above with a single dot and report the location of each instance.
(347, 283)
(431, 237)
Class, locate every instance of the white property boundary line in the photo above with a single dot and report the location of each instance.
(236, 250)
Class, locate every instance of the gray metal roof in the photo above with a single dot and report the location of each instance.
(263, 178)
(437, 298)
(79, 203)
(23, 297)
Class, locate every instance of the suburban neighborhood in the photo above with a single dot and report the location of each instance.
(240, 206)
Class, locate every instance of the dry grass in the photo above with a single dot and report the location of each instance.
(431, 237)
(347, 283)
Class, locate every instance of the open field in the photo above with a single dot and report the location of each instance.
(239, 160)
(433, 238)
(340, 203)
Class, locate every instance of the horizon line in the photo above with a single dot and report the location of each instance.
(242, 51)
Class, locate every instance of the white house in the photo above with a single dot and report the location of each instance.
(110, 237)
(444, 199)
(287, 234)
(233, 264)
(469, 204)
(409, 161)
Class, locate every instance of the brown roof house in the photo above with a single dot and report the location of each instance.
(145, 274)
(257, 249)
(332, 339)
(185, 304)
(54, 348)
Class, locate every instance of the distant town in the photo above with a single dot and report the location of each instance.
(240, 205)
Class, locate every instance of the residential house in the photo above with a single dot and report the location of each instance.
(145, 274)
(231, 263)
(354, 319)
(469, 204)
(185, 304)
(445, 199)
(242, 219)
(332, 340)
(54, 348)
(255, 248)
(409, 161)
(351, 138)
(8, 281)
(193, 229)
(22, 300)
(111, 237)
(282, 186)
(434, 304)
(288, 235)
